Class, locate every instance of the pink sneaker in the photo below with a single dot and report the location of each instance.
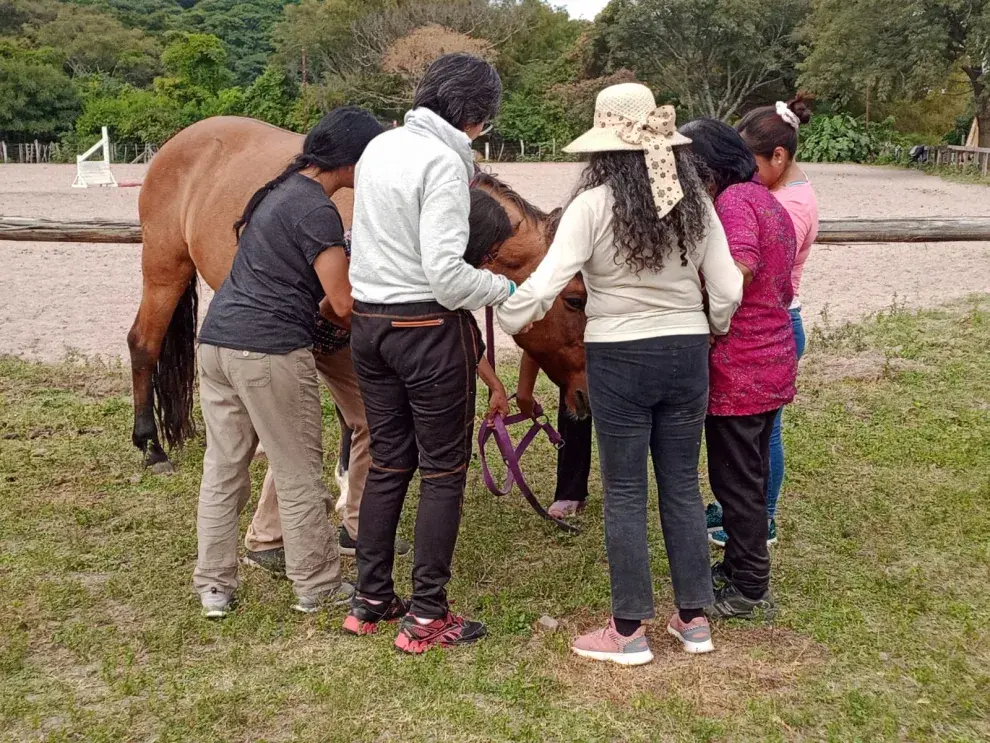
(696, 635)
(608, 644)
(564, 509)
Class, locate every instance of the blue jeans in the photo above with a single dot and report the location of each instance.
(776, 478)
(648, 400)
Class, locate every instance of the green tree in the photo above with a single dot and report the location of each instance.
(245, 26)
(153, 16)
(897, 48)
(196, 62)
(37, 101)
(712, 55)
(131, 115)
(272, 97)
(92, 42)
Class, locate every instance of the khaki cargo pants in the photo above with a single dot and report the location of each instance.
(275, 398)
(337, 372)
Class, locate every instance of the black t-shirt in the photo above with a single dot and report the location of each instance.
(270, 299)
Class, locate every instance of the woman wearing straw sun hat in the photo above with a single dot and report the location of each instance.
(643, 232)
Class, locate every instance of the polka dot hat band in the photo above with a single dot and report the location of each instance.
(627, 118)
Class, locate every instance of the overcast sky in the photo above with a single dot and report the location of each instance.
(582, 8)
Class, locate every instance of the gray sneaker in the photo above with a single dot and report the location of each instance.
(216, 605)
(730, 603)
(271, 561)
(339, 596)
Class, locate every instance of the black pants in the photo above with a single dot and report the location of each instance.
(416, 365)
(574, 458)
(738, 467)
(345, 441)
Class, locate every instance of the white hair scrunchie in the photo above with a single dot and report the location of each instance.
(784, 112)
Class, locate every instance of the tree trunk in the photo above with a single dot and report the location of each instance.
(983, 117)
(982, 98)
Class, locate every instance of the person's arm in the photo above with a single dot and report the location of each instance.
(723, 279)
(443, 235)
(742, 229)
(529, 370)
(498, 400)
(320, 236)
(329, 314)
(571, 249)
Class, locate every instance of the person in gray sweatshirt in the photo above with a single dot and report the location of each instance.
(413, 345)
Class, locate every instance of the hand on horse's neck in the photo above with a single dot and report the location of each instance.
(331, 180)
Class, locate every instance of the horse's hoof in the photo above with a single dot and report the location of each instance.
(162, 468)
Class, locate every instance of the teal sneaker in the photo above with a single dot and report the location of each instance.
(718, 537)
(713, 517)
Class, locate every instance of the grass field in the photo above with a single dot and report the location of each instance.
(881, 575)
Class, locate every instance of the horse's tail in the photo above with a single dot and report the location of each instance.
(175, 373)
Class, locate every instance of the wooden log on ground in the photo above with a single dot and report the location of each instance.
(832, 231)
(81, 231)
(924, 230)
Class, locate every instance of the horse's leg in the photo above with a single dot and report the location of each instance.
(161, 294)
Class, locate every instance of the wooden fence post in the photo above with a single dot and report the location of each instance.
(3, 150)
(488, 151)
(522, 148)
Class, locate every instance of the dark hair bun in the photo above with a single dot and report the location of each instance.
(801, 106)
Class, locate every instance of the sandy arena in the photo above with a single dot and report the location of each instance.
(67, 298)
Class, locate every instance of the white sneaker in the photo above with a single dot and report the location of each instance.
(216, 605)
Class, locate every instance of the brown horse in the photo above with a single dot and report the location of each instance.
(196, 187)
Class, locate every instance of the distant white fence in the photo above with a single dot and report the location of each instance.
(55, 152)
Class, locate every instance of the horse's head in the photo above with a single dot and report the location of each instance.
(556, 341)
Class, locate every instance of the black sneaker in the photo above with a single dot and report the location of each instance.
(730, 603)
(365, 617)
(719, 578)
(348, 546)
(271, 561)
(452, 630)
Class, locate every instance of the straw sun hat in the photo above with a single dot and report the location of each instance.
(627, 119)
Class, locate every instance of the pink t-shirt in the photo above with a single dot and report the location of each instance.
(799, 200)
(753, 368)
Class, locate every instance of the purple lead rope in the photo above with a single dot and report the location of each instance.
(498, 428)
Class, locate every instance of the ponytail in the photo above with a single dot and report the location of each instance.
(769, 127)
(337, 141)
(298, 163)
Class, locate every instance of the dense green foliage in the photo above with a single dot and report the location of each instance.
(843, 138)
(147, 68)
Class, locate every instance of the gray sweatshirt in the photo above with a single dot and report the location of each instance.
(410, 228)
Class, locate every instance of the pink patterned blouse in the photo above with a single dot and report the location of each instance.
(754, 366)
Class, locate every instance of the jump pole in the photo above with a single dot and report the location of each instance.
(831, 231)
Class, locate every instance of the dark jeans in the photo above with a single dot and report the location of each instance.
(416, 365)
(648, 398)
(345, 441)
(574, 458)
(738, 467)
(775, 480)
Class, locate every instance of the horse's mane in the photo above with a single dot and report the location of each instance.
(505, 191)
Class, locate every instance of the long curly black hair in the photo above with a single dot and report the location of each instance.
(643, 240)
